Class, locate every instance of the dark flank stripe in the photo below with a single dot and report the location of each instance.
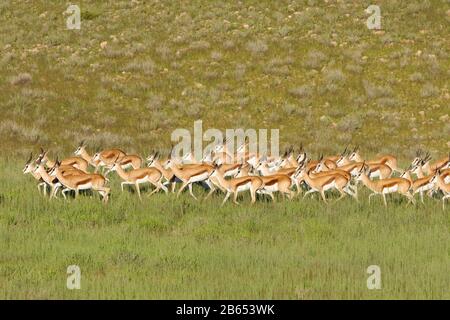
(390, 185)
(244, 181)
(271, 181)
(126, 161)
(84, 181)
(421, 182)
(330, 179)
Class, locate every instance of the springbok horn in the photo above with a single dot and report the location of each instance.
(362, 167)
(31, 157)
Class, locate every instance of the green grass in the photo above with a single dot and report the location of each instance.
(308, 68)
(179, 248)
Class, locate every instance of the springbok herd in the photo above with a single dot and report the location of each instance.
(291, 174)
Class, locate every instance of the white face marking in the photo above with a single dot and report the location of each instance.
(447, 179)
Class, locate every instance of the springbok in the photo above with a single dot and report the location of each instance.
(85, 181)
(385, 186)
(445, 187)
(420, 185)
(81, 152)
(236, 185)
(189, 175)
(30, 168)
(431, 168)
(139, 176)
(389, 160)
(76, 162)
(325, 181)
(53, 182)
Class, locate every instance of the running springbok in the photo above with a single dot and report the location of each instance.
(128, 161)
(81, 152)
(189, 175)
(139, 176)
(431, 168)
(30, 168)
(385, 186)
(420, 185)
(389, 160)
(445, 187)
(321, 182)
(85, 181)
(76, 162)
(53, 182)
(236, 185)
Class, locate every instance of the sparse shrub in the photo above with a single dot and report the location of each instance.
(216, 55)
(429, 90)
(229, 44)
(289, 108)
(374, 91)
(387, 102)
(240, 71)
(147, 67)
(350, 123)
(303, 91)
(194, 110)
(164, 51)
(334, 76)
(257, 47)
(155, 102)
(113, 53)
(416, 77)
(200, 45)
(21, 79)
(354, 68)
(315, 59)
(12, 130)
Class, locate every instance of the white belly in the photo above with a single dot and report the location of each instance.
(199, 177)
(425, 187)
(142, 180)
(390, 189)
(354, 172)
(329, 186)
(85, 186)
(271, 188)
(375, 174)
(244, 187)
